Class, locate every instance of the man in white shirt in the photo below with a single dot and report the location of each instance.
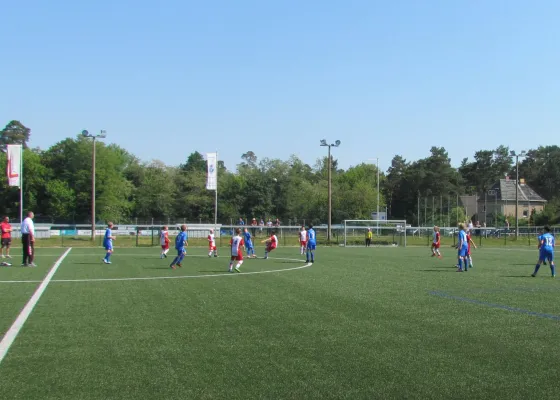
(28, 239)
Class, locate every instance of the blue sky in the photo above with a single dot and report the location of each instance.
(383, 77)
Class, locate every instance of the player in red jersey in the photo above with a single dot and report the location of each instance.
(470, 241)
(212, 249)
(436, 243)
(164, 242)
(303, 239)
(6, 237)
(271, 244)
(236, 244)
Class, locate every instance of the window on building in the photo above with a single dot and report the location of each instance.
(525, 213)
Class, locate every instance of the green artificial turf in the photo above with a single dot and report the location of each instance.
(388, 323)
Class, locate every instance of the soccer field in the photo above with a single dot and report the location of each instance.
(388, 323)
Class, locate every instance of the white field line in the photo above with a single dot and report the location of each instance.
(12, 333)
(150, 278)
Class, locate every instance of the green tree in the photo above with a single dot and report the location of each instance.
(14, 133)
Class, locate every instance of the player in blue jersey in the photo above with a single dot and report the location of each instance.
(181, 243)
(247, 239)
(311, 244)
(539, 238)
(546, 252)
(108, 243)
(462, 249)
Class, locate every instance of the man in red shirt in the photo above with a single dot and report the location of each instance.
(6, 238)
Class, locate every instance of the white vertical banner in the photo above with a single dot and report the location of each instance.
(14, 164)
(212, 177)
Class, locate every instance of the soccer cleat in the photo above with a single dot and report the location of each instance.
(105, 261)
(553, 276)
(534, 275)
(237, 269)
(32, 265)
(24, 265)
(8, 256)
(172, 266)
(179, 265)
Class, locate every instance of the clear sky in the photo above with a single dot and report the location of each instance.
(384, 77)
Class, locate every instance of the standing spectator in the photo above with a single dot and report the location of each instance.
(254, 227)
(6, 229)
(261, 224)
(28, 240)
(369, 236)
(277, 222)
(241, 222)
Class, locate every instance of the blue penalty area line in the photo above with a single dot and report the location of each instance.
(493, 305)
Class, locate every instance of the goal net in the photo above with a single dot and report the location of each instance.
(383, 232)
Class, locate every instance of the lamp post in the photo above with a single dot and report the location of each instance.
(101, 135)
(377, 213)
(512, 153)
(325, 144)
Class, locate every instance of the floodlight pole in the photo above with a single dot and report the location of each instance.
(102, 134)
(378, 197)
(517, 155)
(329, 178)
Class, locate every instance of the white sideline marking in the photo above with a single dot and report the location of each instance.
(11, 334)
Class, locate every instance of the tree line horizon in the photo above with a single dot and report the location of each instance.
(57, 185)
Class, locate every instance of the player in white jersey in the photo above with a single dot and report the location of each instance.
(236, 244)
(271, 244)
(303, 240)
(164, 242)
(212, 244)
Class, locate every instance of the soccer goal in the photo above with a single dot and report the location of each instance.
(383, 232)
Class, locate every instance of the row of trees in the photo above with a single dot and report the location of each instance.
(57, 184)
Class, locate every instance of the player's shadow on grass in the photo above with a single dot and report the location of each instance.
(88, 263)
(441, 269)
(517, 276)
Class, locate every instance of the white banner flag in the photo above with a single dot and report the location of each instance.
(14, 165)
(212, 177)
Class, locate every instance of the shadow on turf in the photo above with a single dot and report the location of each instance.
(441, 269)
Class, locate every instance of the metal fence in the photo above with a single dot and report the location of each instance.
(147, 235)
(489, 236)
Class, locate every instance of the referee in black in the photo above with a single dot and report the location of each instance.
(28, 240)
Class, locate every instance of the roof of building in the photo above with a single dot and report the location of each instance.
(505, 189)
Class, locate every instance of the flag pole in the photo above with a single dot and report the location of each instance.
(216, 197)
(21, 188)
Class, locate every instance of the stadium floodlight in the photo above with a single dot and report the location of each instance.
(101, 135)
(325, 144)
(512, 153)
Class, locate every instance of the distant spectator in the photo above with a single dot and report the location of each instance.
(254, 222)
(241, 222)
(277, 222)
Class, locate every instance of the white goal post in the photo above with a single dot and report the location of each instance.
(384, 232)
